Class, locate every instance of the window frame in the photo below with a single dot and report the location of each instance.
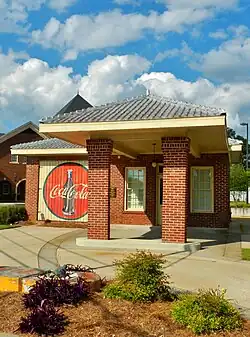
(14, 162)
(211, 168)
(126, 209)
(6, 183)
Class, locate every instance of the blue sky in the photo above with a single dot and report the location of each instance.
(196, 51)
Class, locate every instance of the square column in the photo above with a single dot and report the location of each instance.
(32, 188)
(99, 159)
(175, 208)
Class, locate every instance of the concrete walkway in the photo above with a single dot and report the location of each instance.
(217, 264)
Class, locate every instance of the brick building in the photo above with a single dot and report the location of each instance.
(147, 160)
(13, 167)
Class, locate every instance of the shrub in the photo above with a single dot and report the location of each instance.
(239, 204)
(12, 214)
(44, 320)
(58, 290)
(206, 312)
(140, 277)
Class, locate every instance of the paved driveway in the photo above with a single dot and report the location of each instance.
(218, 264)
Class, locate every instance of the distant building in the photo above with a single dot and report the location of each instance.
(13, 167)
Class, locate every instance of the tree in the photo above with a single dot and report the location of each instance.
(238, 181)
(232, 134)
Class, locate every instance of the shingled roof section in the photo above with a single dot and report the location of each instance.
(149, 107)
(77, 103)
(51, 143)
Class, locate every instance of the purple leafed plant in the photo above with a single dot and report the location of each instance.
(57, 290)
(44, 319)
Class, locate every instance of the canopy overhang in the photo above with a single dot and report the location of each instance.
(207, 134)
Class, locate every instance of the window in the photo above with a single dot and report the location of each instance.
(6, 188)
(14, 158)
(24, 161)
(202, 189)
(135, 189)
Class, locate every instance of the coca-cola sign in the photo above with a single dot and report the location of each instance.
(65, 191)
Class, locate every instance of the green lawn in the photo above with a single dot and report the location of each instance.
(4, 226)
(245, 253)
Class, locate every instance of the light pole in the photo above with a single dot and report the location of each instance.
(246, 124)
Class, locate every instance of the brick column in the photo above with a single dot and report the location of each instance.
(222, 191)
(175, 189)
(100, 152)
(32, 188)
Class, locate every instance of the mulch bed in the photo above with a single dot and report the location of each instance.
(100, 317)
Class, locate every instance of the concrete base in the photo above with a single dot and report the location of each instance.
(135, 244)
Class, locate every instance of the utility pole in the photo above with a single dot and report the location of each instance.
(246, 124)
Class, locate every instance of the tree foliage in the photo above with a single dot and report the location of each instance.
(238, 179)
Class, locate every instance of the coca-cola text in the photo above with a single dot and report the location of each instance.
(76, 191)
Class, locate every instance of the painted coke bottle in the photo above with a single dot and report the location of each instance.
(69, 195)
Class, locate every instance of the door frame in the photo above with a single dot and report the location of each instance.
(159, 176)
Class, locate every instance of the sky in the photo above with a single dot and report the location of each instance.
(196, 51)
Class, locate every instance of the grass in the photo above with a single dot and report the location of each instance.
(4, 226)
(245, 254)
(106, 318)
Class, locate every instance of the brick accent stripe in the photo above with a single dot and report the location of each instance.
(31, 191)
(100, 152)
(175, 188)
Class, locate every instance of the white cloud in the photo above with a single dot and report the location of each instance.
(14, 13)
(32, 89)
(218, 35)
(61, 5)
(195, 4)
(127, 2)
(232, 97)
(80, 33)
(113, 78)
(229, 62)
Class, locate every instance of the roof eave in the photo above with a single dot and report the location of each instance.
(20, 129)
(48, 128)
(47, 152)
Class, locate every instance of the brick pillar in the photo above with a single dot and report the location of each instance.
(222, 191)
(32, 188)
(175, 189)
(100, 152)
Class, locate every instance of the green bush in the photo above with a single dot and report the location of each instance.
(140, 277)
(12, 214)
(206, 312)
(239, 204)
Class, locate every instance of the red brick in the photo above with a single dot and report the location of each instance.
(15, 172)
(32, 184)
(99, 161)
(175, 195)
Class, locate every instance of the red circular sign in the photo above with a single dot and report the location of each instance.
(65, 191)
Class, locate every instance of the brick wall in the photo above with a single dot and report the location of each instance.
(118, 214)
(32, 184)
(100, 152)
(221, 216)
(220, 162)
(175, 188)
(14, 172)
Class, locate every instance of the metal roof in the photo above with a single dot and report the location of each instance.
(51, 143)
(22, 128)
(77, 103)
(149, 107)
